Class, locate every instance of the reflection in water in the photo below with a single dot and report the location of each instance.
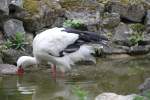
(120, 76)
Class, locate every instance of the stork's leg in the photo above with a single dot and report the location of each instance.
(53, 70)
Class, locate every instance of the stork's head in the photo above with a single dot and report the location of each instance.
(23, 62)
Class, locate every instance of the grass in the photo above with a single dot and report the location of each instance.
(76, 24)
(16, 42)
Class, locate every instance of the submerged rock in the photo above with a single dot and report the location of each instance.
(113, 96)
(7, 69)
(145, 86)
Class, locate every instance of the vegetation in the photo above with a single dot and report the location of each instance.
(16, 42)
(137, 36)
(76, 24)
(137, 27)
(81, 94)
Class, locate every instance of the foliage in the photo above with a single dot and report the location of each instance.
(77, 24)
(81, 94)
(137, 27)
(137, 36)
(16, 42)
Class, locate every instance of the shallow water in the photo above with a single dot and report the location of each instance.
(122, 76)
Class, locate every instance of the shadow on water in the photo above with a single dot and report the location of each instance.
(121, 76)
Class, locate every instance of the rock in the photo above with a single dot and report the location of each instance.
(38, 14)
(144, 87)
(12, 26)
(115, 50)
(146, 38)
(18, 3)
(138, 50)
(7, 69)
(86, 12)
(111, 20)
(122, 34)
(10, 56)
(113, 96)
(127, 11)
(147, 21)
(4, 7)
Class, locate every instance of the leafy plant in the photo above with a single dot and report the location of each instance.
(81, 94)
(77, 24)
(137, 27)
(135, 38)
(16, 42)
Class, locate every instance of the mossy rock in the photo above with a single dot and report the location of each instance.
(31, 6)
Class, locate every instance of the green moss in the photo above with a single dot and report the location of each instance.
(31, 6)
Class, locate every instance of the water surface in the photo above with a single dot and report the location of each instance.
(122, 76)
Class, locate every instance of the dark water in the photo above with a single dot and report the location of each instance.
(121, 76)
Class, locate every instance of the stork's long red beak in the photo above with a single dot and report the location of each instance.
(20, 71)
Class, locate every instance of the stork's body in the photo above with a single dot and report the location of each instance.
(50, 46)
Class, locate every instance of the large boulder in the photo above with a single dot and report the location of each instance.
(127, 11)
(18, 3)
(88, 12)
(122, 34)
(111, 20)
(37, 14)
(113, 96)
(10, 56)
(147, 21)
(12, 26)
(4, 7)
